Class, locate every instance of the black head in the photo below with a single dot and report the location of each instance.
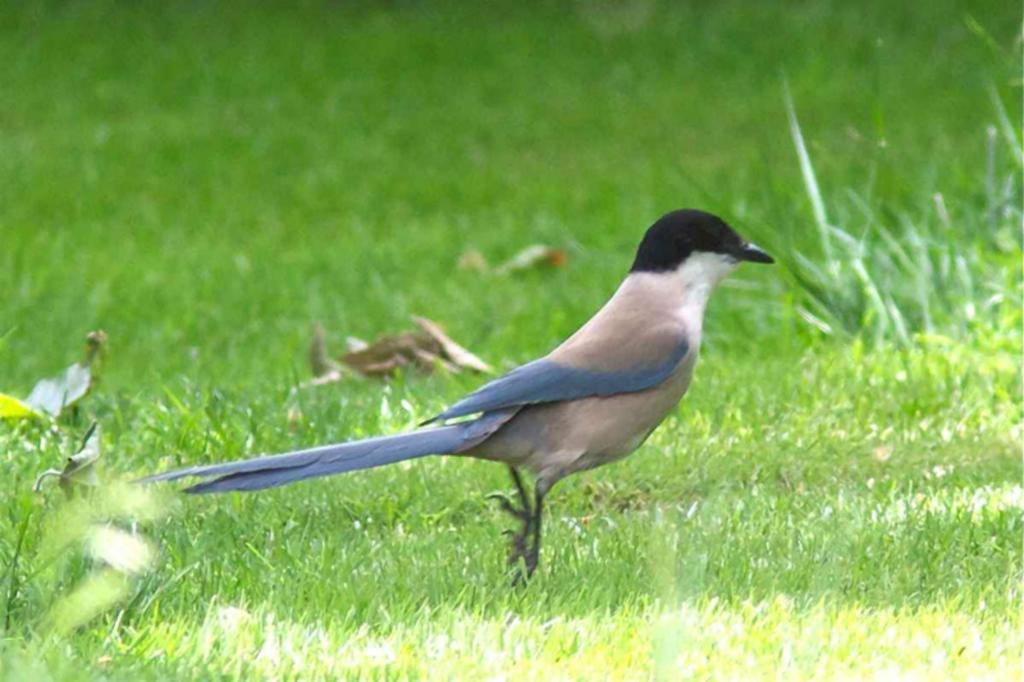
(678, 234)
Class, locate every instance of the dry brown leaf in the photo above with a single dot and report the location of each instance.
(425, 350)
(388, 353)
(535, 256)
(454, 352)
(437, 360)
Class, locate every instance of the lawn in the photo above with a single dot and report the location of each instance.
(839, 496)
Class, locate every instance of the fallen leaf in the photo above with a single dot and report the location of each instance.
(535, 256)
(455, 352)
(425, 350)
(80, 468)
(12, 408)
(388, 353)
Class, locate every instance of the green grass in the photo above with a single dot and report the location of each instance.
(839, 496)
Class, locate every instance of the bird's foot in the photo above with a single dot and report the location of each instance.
(522, 562)
(531, 558)
(522, 513)
(522, 559)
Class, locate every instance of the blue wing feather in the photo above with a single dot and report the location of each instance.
(275, 470)
(545, 381)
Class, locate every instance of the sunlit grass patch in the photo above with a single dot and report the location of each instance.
(705, 638)
(763, 640)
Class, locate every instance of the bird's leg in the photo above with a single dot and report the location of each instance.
(523, 513)
(532, 556)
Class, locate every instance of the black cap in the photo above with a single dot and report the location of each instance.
(678, 234)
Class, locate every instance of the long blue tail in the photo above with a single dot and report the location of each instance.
(275, 470)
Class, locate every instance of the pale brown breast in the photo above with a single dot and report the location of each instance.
(556, 439)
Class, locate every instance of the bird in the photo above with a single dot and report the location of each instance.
(592, 400)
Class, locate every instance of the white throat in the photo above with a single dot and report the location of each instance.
(690, 285)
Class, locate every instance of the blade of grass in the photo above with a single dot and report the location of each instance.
(12, 571)
(1006, 127)
(807, 171)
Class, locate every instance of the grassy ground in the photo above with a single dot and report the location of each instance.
(840, 495)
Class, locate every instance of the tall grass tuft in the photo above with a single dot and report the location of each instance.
(892, 274)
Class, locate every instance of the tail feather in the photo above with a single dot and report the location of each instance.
(276, 470)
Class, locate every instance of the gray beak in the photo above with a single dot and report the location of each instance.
(753, 253)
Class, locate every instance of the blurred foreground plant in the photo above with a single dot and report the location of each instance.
(79, 557)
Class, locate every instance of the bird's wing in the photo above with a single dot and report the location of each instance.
(550, 380)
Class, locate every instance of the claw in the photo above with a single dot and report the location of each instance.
(502, 499)
(523, 555)
(522, 571)
(506, 505)
(519, 572)
(519, 552)
(532, 559)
